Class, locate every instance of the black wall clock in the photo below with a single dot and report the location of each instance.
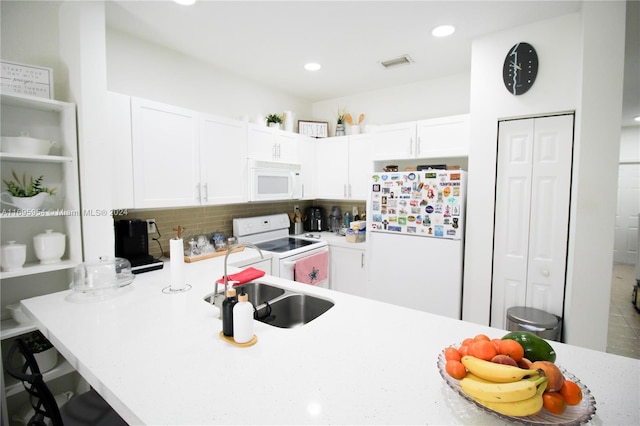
(520, 68)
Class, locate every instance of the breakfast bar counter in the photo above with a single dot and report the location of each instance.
(158, 359)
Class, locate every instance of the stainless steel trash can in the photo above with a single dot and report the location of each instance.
(539, 322)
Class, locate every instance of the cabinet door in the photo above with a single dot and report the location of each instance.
(308, 166)
(360, 166)
(394, 141)
(223, 165)
(261, 143)
(532, 212)
(165, 155)
(287, 147)
(443, 137)
(347, 270)
(332, 175)
(119, 110)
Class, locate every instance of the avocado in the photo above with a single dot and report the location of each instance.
(535, 348)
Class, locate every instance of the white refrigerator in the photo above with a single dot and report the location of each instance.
(415, 224)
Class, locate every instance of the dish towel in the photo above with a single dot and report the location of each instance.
(312, 270)
(245, 276)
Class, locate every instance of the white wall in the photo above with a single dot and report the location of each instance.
(30, 36)
(569, 48)
(139, 68)
(426, 99)
(625, 248)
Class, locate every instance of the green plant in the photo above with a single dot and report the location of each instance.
(341, 116)
(37, 342)
(19, 188)
(274, 118)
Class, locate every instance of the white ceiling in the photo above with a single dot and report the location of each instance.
(270, 41)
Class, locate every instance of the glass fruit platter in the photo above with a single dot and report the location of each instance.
(573, 415)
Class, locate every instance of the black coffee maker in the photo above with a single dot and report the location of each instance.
(132, 243)
(316, 220)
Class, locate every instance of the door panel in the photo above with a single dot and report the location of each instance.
(511, 238)
(551, 185)
(532, 209)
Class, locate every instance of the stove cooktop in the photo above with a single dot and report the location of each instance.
(282, 245)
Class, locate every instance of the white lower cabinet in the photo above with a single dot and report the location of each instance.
(347, 269)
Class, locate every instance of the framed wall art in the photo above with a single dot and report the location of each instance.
(315, 129)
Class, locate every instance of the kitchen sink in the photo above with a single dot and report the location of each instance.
(279, 307)
(259, 293)
(292, 310)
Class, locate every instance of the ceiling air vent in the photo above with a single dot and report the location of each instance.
(396, 62)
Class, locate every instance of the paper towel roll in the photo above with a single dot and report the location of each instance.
(177, 264)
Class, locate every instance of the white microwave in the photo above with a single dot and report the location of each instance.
(274, 181)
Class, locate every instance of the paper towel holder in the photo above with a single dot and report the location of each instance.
(177, 257)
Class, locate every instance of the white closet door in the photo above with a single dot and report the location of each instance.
(513, 201)
(550, 195)
(532, 210)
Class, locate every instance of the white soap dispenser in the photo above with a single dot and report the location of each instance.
(243, 319)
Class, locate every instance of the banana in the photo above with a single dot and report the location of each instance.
(526, 407)
(486, 390)
(495, 372)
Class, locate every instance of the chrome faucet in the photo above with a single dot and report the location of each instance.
(225, 277)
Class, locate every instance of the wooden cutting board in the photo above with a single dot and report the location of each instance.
(190, 259)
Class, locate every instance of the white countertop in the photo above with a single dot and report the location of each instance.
(334, 239)
(157, 358)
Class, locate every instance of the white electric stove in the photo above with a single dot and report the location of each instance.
(271, 234)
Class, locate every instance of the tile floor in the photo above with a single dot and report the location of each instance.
(624, 321)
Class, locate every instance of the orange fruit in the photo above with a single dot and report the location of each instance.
(467, 341)
(511, 348)
(463, 351)
(496, 343)
(483, 349)
(553, 402)
(571, 392)
(452, 353)
(480, 337)
(456, 369)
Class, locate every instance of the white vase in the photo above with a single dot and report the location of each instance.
(25, 203)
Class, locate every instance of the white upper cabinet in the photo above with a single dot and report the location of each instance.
(360, 166)
(432, 138)
(180, 157)
(222, 148)
(308, 166)
(394, 141)
(344, 164)
(272, 144)
(443, 137)
(119, 137)
(165, 155)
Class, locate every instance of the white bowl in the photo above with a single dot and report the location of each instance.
(49, 246)
(46, 359)
(13, 256)
(18, 314)
(26, 145)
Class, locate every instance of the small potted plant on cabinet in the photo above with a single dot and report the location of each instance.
(340, 123)
(25, 195)
(274, 120)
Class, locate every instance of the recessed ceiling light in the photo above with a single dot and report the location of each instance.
(637, 118)
(312, 66)
(443, 30)
(185, 2)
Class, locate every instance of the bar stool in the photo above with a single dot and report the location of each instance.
(86, 409)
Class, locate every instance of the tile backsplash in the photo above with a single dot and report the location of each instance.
(201, 220)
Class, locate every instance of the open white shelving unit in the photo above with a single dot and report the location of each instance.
(56, 121)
